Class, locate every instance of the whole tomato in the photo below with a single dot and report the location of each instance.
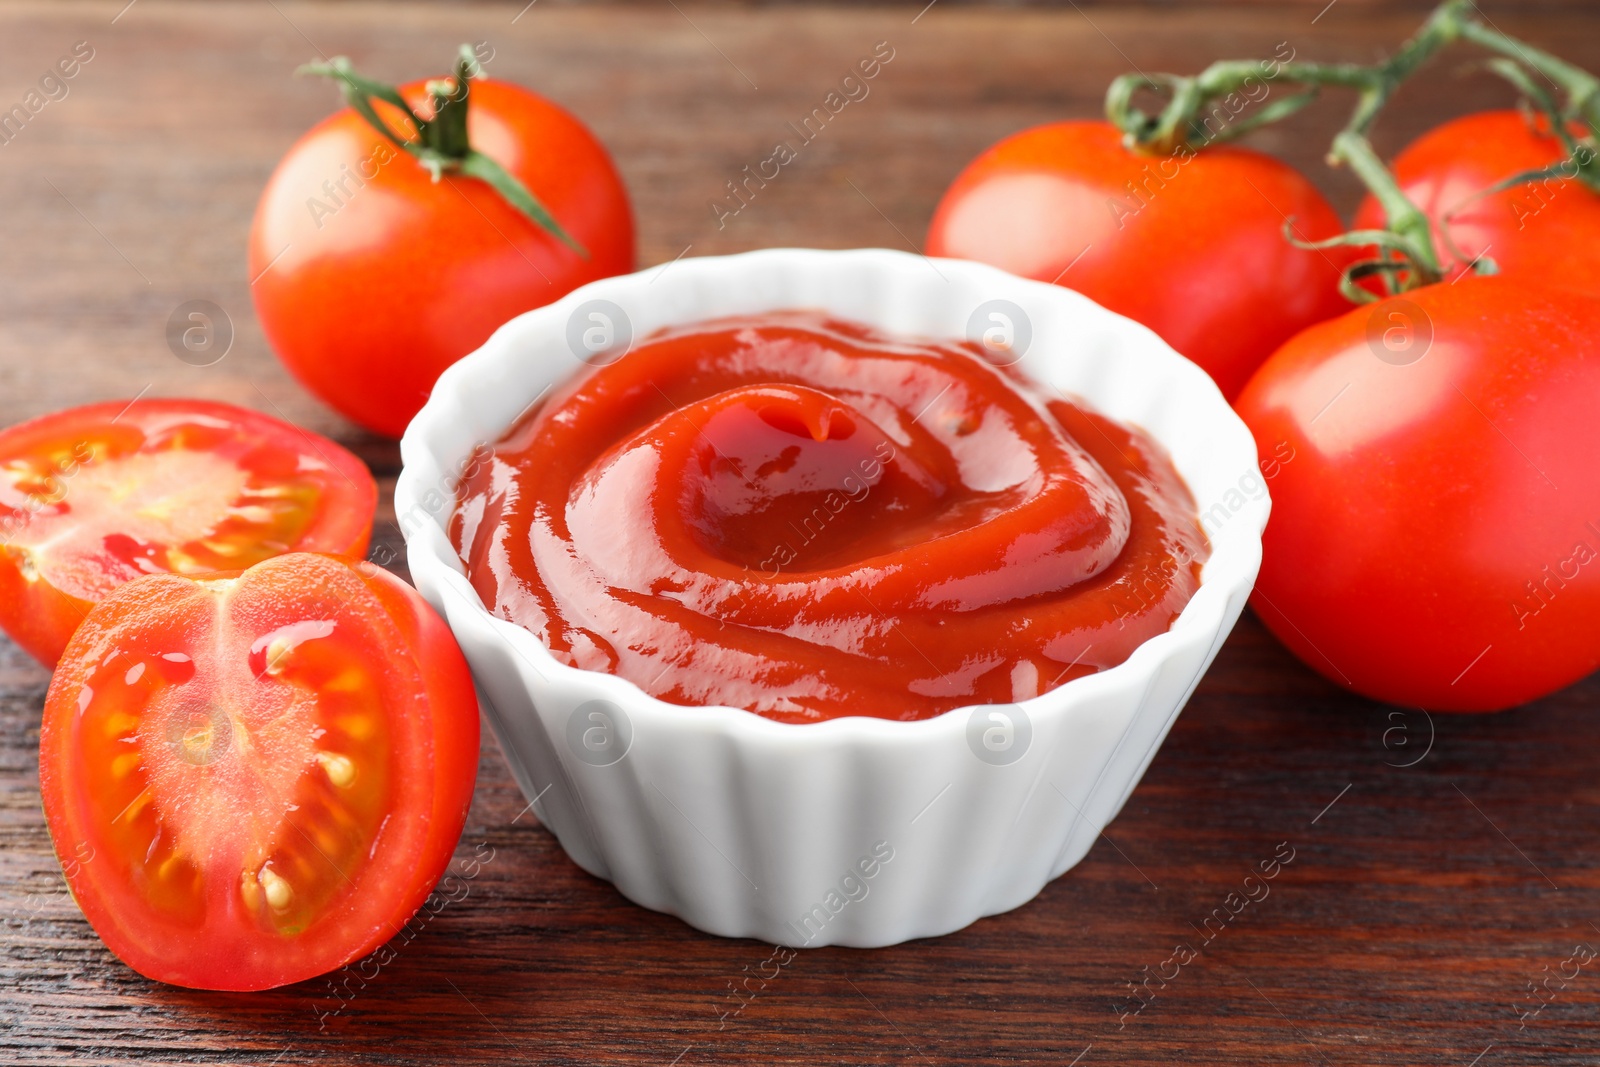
(1435, 539)
(1548, 228)
(371, 277)
(1191, 244)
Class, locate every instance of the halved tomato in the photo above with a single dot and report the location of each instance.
(93, 496)
(269, 769)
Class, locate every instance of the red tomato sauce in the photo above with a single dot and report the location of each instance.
(809, 519)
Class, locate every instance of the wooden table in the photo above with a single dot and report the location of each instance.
(1440, 867)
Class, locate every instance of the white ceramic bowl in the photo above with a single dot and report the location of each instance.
(855, 831)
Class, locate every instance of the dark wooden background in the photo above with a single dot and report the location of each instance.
(1422, 901)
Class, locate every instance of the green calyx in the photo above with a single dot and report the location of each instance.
(1407, 256)
(441, 144)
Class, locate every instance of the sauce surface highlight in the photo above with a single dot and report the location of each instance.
(809, 519)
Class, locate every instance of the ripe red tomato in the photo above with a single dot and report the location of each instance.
(94, 496)
(1191, 245)
(372, 278)
(1547, 229)
(1435, 541)
(260, 775)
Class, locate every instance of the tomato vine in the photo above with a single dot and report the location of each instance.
(1406, 252)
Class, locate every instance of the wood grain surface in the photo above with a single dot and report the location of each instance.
(1440, 867)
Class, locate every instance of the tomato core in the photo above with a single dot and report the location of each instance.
(249, 785)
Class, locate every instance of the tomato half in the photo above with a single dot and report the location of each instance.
(1435, 535)
(372, 278)
(1548, 229)
(267, 771)
(1191, 245)
(93, 496)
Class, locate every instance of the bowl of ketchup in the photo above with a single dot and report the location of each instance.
(830, 597)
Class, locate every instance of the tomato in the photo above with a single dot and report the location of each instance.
(259, 776)
(372, 278)
(1191, 245)
(1548, 229)
(1435, 532)
(93, 496)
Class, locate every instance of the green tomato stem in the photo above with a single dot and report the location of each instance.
(1180, 125)
(441, 144)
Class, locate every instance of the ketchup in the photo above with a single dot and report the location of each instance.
(808, 519)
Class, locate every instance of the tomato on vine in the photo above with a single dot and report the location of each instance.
(1545, 227)
(1433, 542)
(397, 234)
(1190, 242)
(1436, 540)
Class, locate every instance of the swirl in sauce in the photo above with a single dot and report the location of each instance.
(808, 519)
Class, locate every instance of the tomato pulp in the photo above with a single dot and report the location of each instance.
(1192, 245)
(267, 771)
(371, 277)
(1435, 541)
(807, 519)
(94, 496)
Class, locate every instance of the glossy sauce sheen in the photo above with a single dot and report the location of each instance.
(807, 519)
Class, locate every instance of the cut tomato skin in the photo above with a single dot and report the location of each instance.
(1435, 537)
(74, 525)
(298, 743)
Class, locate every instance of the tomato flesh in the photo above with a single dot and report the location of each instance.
(95, 496)
(270, 769)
